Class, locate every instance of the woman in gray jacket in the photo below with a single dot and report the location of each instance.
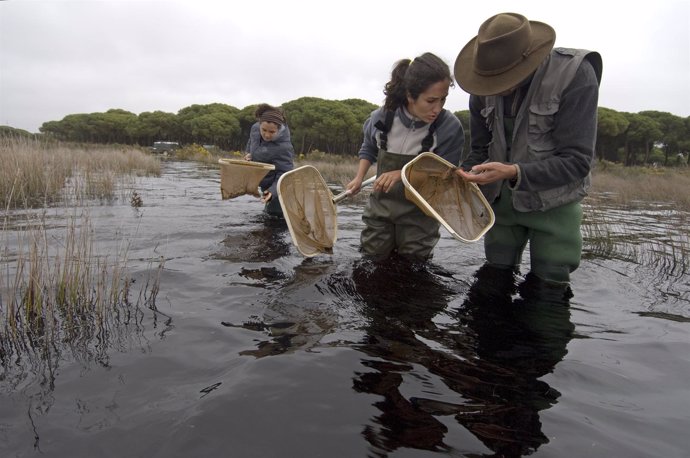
(411, 121)
(269, 142)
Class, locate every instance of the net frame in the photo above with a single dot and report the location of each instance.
(309, 210)
(458, 205)
(239, 177)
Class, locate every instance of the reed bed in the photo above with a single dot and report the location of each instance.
(60, 298)
(338, 170)
(37, 173)
(642, 186)
(57, 290)
(665, 248)
(639, 189)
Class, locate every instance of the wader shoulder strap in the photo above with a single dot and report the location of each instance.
(385, 127)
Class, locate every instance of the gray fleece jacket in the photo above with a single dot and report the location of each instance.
(449, 136)
(278, 152)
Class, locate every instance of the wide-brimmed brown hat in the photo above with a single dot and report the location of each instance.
(507, 50)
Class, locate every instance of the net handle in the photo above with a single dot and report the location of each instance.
(344, 194)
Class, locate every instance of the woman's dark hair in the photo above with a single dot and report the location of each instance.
(413, 77)
(268, 113)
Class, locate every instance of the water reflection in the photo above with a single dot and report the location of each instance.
(490, 354)
(517, 341)
(34, 351)
(265, 241)
(296, 316)
(399, 301)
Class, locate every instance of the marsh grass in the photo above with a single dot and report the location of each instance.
(59, 297)
(58, 291)
(638, 189)
(338, 170)
(37, 173)
(642, 186)
(665, 247)
(604, 238)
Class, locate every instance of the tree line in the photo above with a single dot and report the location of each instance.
(335, 127)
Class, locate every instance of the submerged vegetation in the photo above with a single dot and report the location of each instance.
(658, 207)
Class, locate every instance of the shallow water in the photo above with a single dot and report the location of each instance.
(255, 351)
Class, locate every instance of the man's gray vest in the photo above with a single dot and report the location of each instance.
(532, 133)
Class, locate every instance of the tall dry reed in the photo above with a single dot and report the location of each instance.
(338, 170)
(635, 186)
(58, 291)
(37, 173)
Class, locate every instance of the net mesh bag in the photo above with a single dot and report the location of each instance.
(239, 177)
(309, 210)
(460, 206)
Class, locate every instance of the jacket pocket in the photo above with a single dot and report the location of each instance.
(541, 123)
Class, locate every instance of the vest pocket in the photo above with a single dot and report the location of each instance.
(541, 121)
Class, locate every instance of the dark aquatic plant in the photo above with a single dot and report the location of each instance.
(655, 237)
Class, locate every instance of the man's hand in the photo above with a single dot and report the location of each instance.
(489, 172)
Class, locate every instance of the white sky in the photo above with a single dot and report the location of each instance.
(60, 57)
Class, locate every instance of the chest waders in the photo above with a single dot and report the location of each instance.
(554, 237)
(393, 223)
(273, 207)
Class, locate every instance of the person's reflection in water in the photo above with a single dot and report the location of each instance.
(518, 339)
(399, 300)
(492, 355)
(264, 242)
(294, 318)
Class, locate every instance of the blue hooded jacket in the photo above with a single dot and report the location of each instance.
(278, 152)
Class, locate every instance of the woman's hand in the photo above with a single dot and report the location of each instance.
(386, 180)
(247, 157)
(266, 197)
(354, 186)
(489, 172)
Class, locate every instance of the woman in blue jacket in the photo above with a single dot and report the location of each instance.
(411, 121)
(269, 142)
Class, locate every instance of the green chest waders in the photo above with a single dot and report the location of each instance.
(554, 237)
(393, 223)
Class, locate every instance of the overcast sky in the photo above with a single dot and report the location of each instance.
(60, 57)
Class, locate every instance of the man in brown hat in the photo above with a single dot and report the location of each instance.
(533, 128)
